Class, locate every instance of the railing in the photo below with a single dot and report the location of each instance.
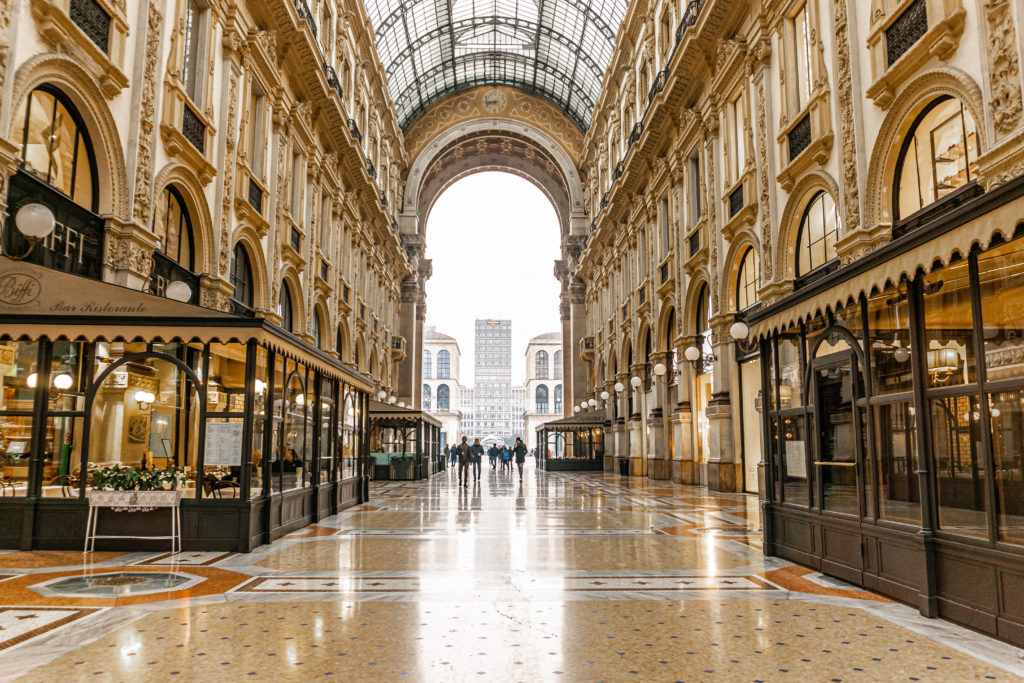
(255, 196)
(346, 292)
(799, 137)
(93, 20)
(636, 132)
(659, 84)
(383, 199)
(689, 18)
(371, 169)
(619, 169)
(193, 129)
(324, 270)
(394, 224)
(295, 239)
(353, 129)
(664, 273)
(303, 10)
(735, 201)
(604, 200)
(332, 80)
(908, 28)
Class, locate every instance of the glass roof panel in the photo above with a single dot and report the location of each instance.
(558, 49)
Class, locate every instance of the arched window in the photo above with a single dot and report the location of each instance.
(819, 230)
(284, 306)
(426, 397)
(748, 278)
(558, 398)
(703, 322)
(541, 364)
(241, 276)
(444, 365)
(173, 228)
(443, 397)
(542, 399)
(55, 146)
(427, 369)
(316, 329)
(939, 156)
(557, 363)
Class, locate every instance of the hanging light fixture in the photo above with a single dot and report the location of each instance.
(942, 363)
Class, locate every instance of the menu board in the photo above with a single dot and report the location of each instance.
(223, 444)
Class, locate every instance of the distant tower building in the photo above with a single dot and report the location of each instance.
(543, 383)
(493, 381)
(518, 412)
(443, 396)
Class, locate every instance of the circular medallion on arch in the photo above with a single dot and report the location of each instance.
(117, 584)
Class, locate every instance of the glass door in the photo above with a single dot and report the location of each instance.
(838, 431)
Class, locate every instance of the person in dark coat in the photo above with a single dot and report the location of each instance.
(520, 451)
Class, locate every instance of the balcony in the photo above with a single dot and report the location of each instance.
(332, 80)
(353, 129)
(398, 347)
(371, 169)
(587, 348)
(303, 11)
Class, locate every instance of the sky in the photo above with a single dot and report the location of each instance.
(493, 238)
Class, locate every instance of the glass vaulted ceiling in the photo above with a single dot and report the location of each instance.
(558, 49)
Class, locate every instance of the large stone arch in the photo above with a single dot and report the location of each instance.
(743, 240)
(529, 139)
(61, 71)
(191, 190)
(687, 324)
(789, 226)
(904, 109)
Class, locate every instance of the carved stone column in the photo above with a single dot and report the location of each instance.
(611, 441)
(722, 459)
(215, 292)
(128, 253)
(659, 455)
(8, 166)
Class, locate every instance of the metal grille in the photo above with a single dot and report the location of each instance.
(295, 239)
(619, 168)
(303, 10)
(664, 273)
(383, 198)
(908, 28)
(332, 80)
(255, 196)
(735, 201)
(371, 169)
(324, 270)
(643, 294)
(90, 17)
(345, 291)
(659, 84)
(559, 50)
(694, 242)
(193, 129)
(353, 129)
(634, 135)
(800, 137)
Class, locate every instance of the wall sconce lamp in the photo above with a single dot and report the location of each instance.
(739, 330)
(381, 395)
(35, 222)
(392, 400)
(144, 399)
(619, 387)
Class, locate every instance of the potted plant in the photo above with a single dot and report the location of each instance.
(131, 489)
(402, 466)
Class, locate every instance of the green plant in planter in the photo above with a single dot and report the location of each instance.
(403, 457)
(118, 478)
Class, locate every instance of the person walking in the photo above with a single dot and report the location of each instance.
(478, 454)
(453, 454)
(492, 454)
(465, 454)
(506, 459)
(520, 451)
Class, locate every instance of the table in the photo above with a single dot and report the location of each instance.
(133, 501)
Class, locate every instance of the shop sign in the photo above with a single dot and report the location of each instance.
(76, 243)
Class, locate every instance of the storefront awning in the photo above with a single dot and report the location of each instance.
(36, 302)
(952, 245)
(385, 410)
(583, 421)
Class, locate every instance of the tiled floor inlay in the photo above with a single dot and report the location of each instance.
(573, 577)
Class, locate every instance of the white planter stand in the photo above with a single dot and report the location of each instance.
(134, 501)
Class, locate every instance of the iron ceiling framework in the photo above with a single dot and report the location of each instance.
(558, 49)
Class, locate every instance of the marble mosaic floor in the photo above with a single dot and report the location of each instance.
(563, 577)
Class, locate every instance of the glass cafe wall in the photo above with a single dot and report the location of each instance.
(900, 411)
(67, 408)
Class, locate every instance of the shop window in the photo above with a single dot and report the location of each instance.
(444, 364)
(541, 365)
(284, 307)
(819, 231)
(349, 427)
(19, 380)
(939, 156)
(241, 277)
(541, 399)
(443, 397)
(173, 228)
(950, 357)
(791, 385)
(748, 280)
(889, 342)
(55, 146)
(427, 361)
(426, 397)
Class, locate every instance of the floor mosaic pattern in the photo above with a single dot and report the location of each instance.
(560, 577)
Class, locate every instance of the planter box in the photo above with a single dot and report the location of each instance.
(129, 500)
(403, 469)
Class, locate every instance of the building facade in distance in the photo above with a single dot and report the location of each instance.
(544, 389)
(492, 382)
(443, 395)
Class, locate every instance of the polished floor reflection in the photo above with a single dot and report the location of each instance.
(575, 577)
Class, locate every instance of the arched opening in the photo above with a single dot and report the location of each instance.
(444, 364)
(541, 399)
(443, 398)
(241, 280)
(748, 279)
(426, 397)
(172, 226)
(284, 307)
(938, 156)
(819, 232)
(541, 362)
